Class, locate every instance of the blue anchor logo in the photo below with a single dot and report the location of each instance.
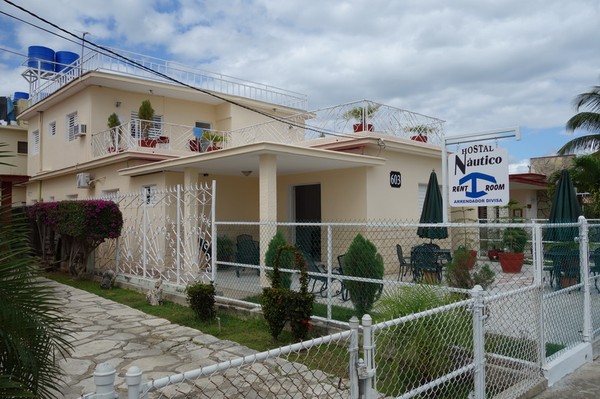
(473, 177)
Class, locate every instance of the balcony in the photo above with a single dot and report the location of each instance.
(42, 83)
(347, 120)
(166, 138)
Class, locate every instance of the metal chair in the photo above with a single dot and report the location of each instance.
(404, 265)
(320, 283)
(248, 252)
(423, 259)
(595, 269)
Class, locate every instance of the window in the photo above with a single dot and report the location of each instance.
(35, 140)
(52, 128)
(110, 194)
(22, 147)
(72, 126)
(155, 131)
(149, 194)
(204, 125)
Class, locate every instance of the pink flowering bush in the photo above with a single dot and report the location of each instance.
(82, 226)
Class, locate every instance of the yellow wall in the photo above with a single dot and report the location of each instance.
(10, 135)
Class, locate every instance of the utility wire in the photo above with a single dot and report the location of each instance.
(13, 52)
(143, 67)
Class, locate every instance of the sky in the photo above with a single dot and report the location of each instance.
(479, 65)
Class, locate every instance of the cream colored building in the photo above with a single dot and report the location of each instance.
(264, 161)
(13, 171)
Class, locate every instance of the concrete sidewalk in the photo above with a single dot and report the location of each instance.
(584, 383)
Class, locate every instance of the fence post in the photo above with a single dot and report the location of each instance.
(329, 271)
(178, 234)
(478, 342)
(538, 262)
(104, 379)
(214, 234)
(133, 379)
(584, 255)
(366, 367)
(353, 363)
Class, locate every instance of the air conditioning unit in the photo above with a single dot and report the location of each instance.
(80, 130)
(83, 180)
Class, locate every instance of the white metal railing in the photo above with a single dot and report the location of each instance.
(346, 120)
(167, 137)
(198, 78)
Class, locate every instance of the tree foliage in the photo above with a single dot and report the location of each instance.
(586, 120)
(363, 260)
(32, 333)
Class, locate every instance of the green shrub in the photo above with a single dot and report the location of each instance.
(201, 298)
(285, 262)
(280, 304)
(514, 239)
(422, 350)
(459, 275)
(362, 260)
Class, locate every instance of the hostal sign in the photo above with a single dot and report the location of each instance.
(478, 176)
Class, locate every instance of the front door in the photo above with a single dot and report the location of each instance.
(307, 201)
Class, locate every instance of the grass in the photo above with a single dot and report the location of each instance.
(339, 313)
(252, 332)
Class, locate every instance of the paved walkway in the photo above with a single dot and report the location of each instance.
(108, 332)
(584, 383)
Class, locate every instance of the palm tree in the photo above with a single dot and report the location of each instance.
(587, 120)
(32, 336)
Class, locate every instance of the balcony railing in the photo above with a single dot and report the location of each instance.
(43, 83)
(346, 120)
(140, 135)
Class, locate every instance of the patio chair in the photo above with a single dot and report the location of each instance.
(248, 252)
(424, 260)
(320, 284)
(565, 264)
(404, 268)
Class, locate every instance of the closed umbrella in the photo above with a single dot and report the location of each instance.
(565, 209)
(432, 211)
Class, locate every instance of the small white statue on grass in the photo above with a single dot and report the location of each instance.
(154, 295)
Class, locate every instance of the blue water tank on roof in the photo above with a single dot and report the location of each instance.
(63, 59)
(20, 95)
(41, 57)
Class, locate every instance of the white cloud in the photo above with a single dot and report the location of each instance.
(477, 65)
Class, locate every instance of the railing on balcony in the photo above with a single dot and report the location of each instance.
(346, 120)
(140, 135)
(42, 83)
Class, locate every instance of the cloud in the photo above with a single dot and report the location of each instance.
(477, 65)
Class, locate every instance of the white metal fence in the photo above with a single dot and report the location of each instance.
(497, 343)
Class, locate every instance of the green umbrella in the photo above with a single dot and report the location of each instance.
(565, 209)
(432, 211)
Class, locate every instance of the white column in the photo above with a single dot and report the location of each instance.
(267, 182)
(190, 239)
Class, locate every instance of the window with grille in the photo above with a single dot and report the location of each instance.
(22, 147)
(35, 140)
(155, 131)
(72, 126)
(52, 128)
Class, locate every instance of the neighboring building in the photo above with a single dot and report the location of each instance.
(13, 170)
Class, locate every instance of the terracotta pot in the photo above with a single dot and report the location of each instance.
(567, 281)
(359, 127)
(148, 143)
(430, 278)
(511, 262)
(420, 138)
(194, 145)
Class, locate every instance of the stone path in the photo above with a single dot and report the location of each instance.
(108, 332)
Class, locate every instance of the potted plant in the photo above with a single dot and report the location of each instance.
(362, 115)
(465, 233)
(113, 124)
(146, 116)
(211, 140)
(419, 132)
(493, 251)
(225, 249)
(513, 240)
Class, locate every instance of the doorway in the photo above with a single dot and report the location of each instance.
(307, 209)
